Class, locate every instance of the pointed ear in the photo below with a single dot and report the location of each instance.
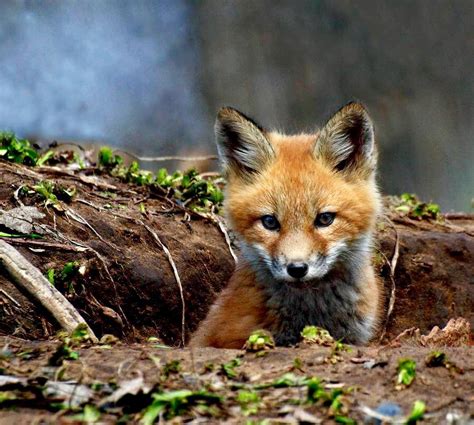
(346, 142)
(242, 145)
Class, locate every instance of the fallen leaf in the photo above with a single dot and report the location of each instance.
(22, 219)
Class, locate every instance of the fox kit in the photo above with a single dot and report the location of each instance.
(303, 208)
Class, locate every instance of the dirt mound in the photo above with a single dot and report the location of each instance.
(105, 248)
(122, 280)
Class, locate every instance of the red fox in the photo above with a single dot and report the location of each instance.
(303, 208)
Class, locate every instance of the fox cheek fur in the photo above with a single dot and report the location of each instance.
(304, 209)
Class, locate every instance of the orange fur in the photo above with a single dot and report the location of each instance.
(238, 311)
(295, 178)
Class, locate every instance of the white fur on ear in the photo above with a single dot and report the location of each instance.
(347, 142)
(241, 143)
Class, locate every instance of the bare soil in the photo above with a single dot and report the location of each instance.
(442, 390)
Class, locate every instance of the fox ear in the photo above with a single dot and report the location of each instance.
(241, 143)
(346, 142)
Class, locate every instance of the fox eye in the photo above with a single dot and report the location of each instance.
(270, 222)
(324, 219)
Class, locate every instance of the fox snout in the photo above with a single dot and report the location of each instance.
(297, 258)
(303, 262)
(297, 270)
(315, 266)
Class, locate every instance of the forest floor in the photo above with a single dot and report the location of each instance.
(52, 382)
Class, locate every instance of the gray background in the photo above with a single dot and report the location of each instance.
(148, 76)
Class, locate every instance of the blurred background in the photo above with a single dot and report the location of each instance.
(148, 76)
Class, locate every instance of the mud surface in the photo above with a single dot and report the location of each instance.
(368, 375)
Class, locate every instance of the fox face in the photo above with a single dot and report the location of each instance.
(300, 204)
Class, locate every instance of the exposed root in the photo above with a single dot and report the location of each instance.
(89, 181)
(44, 244)
(77, 217)
(13, 300)
(393, 265)
(176, 275)
(175, 158)
(459, 216)
(223, 229)
(30, 278)
(17, 197)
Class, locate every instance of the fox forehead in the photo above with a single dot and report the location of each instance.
(296, 186)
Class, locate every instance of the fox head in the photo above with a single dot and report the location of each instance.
(300, 204)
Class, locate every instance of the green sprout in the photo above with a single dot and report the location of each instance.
(287, 380)
(45, 189)
(17, 150)
(65, 277)
(259, 340)
(80, 334)
(66, 349)
(315, 390)
(171, 367)
(107, 158)
(6, 396)
(196, 193)
(297, 364)
(334, 399)
(189, 188)
(316, 335)
(90, 414)
(175, 403)
(436, 359)
(440, 359)
(228, 369)
(406, 372)
(51, 275)
(417, 412)
(45, 158)
(249, 402)
(63, 352)
(134, 174)
(69, 270)
(411, 206)
(52, 193)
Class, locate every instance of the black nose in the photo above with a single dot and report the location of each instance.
(297, 270)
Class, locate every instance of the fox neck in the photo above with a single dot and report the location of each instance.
(330, 302)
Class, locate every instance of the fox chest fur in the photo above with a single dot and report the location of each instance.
(303, 208)
(332, 304)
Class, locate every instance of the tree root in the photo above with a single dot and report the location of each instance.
(392, 265)
(176, 276)
(30, 278)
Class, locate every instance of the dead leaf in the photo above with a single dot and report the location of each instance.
(131, 386)
(69, 393)
(22, 219)
(456, 333)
